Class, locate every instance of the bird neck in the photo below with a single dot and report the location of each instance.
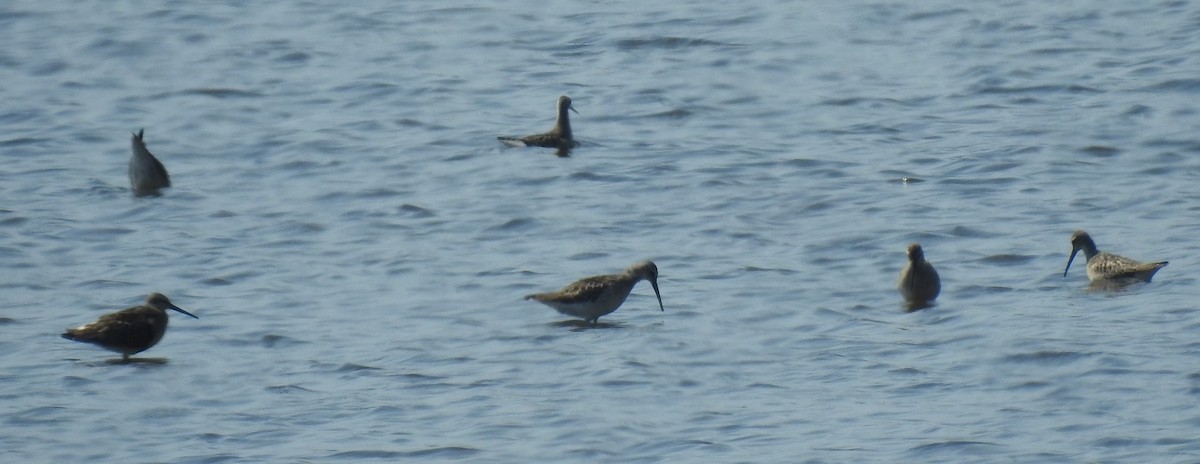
(1090, 250)
(563, 123)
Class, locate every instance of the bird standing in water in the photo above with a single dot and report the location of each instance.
(1107, 267)
(128, 331)
(592, 297)
(919, 281)
(146, 174)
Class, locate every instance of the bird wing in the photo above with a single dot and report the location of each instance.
(1108, 264)
(582, 291)
(551, 139)
(131, 327)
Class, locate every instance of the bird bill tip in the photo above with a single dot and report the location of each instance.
(654, 283)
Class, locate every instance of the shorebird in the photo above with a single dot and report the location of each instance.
(558, 137)
(919, 282)
(1102, 266)
(592, 297)
(146, 174)
(128, 331)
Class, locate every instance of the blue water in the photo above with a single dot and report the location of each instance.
(356, 242)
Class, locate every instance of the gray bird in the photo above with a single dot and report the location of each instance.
(1107, 267)
(592, 297)
(558, 137)
(919, 281)
(146, 174)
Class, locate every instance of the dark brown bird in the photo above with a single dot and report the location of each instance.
(128, 331)
(919, 281)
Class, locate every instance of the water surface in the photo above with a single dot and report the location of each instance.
(357, 244)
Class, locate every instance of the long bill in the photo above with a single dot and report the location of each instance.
(182, 311)
(1074, 251)
(654, 283)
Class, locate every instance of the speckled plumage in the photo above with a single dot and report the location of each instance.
(129, 331)
(592, 297)
(1102, 266)
(919, 281)
(559, 136)
(146, 174)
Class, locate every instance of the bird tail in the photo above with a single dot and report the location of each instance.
(512, 141)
